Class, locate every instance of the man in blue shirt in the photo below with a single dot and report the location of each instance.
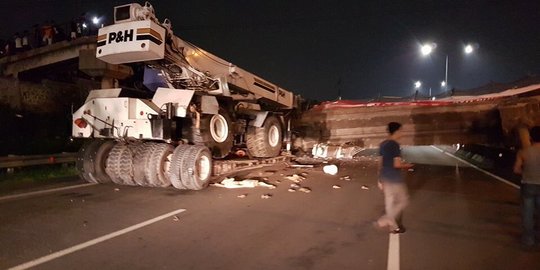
(391, 181)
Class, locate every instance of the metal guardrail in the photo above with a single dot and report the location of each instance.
(24, 161)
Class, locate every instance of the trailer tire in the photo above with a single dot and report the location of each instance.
(216, 133)
(157, 171)
(267, 140)
(175, 173)
(120, 165)
(196, 168)
(85, 162)
(141, 159)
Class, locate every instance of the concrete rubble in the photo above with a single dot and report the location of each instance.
(295, 178)
(246, 183)
(324, 150)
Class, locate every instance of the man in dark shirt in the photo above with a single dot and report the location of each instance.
(391, 181)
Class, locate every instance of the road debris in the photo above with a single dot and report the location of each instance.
(265, 174)
(116, 189)
(295, 178)
(330, 169)
(304, 174)
(291, 190)
(411, 170)
(175, 218)
(346, 178)
(266, 196)
(301, 165)
(365, 187)
(336, 186)
(309, 161)
(241, 196)
(246, 183)
(304, 189)
(295, 185)
(324, 150)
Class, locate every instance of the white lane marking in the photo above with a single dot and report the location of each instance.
(480, 169)
(393, 252)
(98, 240)
(16, 196)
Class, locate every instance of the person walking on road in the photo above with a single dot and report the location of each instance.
(528, 165)
(391, 181)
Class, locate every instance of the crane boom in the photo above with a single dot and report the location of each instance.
(137, 36)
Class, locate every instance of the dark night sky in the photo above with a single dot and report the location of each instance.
(365, 48)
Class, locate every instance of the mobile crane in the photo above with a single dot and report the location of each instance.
(202, 108)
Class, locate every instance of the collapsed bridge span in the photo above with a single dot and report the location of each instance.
(491, 119)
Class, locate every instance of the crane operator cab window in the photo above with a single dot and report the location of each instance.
(122, 13)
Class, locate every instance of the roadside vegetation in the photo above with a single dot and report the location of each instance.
(32, 177)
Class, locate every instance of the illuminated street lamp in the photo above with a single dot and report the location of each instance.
(95, 20)
(427, 49)
(417, 84)
(469, 49)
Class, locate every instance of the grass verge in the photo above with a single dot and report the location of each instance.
(32, 177)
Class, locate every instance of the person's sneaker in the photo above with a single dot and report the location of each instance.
(379, 227)
(398, 230)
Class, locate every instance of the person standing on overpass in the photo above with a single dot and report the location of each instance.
(528, 165)
(391, 181)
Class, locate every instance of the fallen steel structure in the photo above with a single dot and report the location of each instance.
(493, 119)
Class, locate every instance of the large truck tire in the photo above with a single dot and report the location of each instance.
(267, 140)
(175, 173)
(157, 171)
(216, 133)
(196, 167)
(85, 161)
(120, 165)
(100, 161)
(141, 159)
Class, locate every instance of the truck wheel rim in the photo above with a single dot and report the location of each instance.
(273, 136)
(204, 167)
(219, 128)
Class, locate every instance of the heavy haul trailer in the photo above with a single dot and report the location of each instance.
(202, 108)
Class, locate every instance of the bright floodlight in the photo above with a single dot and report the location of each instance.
(469, 49)
(443, 83)
(95, 20)
(417, 84)
(84, 25)
(426, 49)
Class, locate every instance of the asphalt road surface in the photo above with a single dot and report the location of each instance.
(459, 218)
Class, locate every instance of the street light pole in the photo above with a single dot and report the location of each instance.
(427, 49)
(446, 75)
